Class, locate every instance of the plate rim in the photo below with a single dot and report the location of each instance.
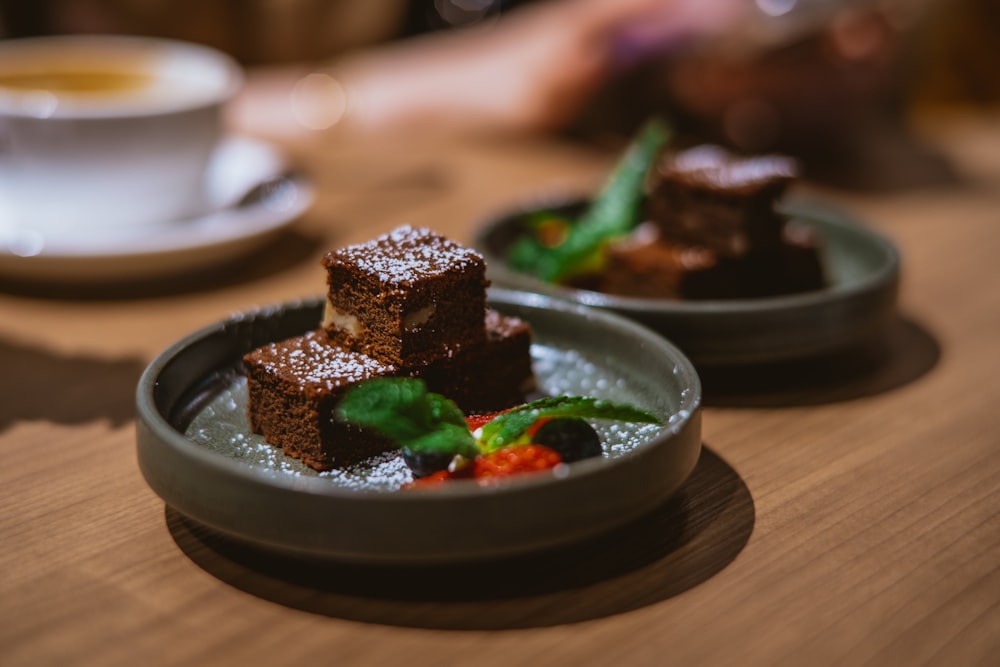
(694, 324)
(148, 411)
(154, 430)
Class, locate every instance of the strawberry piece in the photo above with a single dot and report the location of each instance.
(478, 421)
(434, 479)
(441, 476)
(503, 462)
(514, 460)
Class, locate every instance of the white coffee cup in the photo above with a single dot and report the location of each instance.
(105, 134)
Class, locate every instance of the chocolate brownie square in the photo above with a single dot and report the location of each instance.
(405, 298)
(708, 197)
(488, 376)
(294, 386)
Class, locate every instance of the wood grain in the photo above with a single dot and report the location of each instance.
(845, 511)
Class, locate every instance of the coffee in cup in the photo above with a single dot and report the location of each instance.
(107, 135)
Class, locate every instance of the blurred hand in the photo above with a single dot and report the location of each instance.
(529, 70)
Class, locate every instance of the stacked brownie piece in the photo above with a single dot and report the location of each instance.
(409, 303)
(294, 386)
(713, 232)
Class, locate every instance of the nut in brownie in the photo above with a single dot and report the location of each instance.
(406, 298)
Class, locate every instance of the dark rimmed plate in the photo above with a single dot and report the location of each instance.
(863, 268)
(196, 452)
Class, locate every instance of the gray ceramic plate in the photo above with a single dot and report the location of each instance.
(863, 268)
(196, 451)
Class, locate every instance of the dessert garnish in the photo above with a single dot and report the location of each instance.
(439, 442)
(558, 250)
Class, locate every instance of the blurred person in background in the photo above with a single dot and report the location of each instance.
(830, 81)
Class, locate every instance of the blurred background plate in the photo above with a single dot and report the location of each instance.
(862, 267)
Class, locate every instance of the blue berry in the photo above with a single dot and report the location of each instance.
(423, 464)
(572, 437)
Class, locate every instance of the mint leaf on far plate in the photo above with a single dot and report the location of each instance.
(613, 213)
(403, 410)
(507, 427)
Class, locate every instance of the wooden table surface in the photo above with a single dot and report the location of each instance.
(841, 514)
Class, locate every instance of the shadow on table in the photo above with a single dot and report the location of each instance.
(904, 354)
(677, 546)
(288, 250)
(66, 389)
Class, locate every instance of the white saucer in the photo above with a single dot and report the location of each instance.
(227, 229)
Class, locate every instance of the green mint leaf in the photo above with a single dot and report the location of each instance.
(447, 439)
(509, 426)
(404, 411)
(613, 213)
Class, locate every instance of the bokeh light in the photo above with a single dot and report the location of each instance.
(319, 101)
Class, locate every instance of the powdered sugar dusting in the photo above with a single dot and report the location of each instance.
(499, 326)
(713, 166)
(312, 361)
(406, 254)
